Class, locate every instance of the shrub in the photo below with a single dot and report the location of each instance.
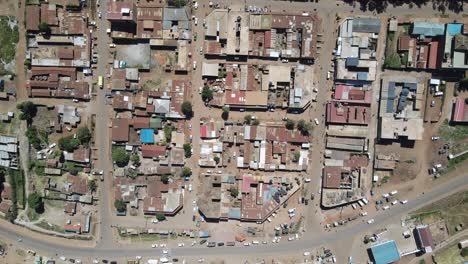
(120, 205)
(290, 124)
(121, 157)
(35, 202)
(68, 143)
(187, 109)
(84, 135)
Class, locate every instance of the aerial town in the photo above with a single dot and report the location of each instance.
(224, 131)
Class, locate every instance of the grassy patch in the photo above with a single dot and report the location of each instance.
(32, 215)
(392, 61)
(457, 137)
(453, 210)
(51, 227)
(9, 37)
(450, 255)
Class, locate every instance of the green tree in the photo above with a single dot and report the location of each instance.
(92, 186)
(207, 94)
(297, 155)
(136, 160)
(422, 261)
(290, 124)
(165, 178)
(234, 192)
(225, 114)
(248, 119)
(28, 111)
(304, 127)
(392, 61)
(216, 159)
(160, 216)
(84, 135)
(35, 202)
(121, 157)
(255, 122)
(188, 150)
(68, 143)
(464, 252)
(366, 239)
(33, 138)
(187, 109)
(44, 28)
(168, 132)
(120, 205)
(186, 172)
(71, 167)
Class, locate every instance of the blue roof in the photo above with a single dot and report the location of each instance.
(147, 136)
(234, 213)
(362, 76)
(352, 62)
(428, 29)
(385, 253)
(454, 29)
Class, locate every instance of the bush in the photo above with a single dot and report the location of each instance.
(290, 124)
(255, 122)
(234, 192)
(35, 202)
(120, 205)
(92, 185)
(168, 133)
(188, 150)
(216, 159)
(225, 114)
(464, 252)
(187, 109)
(297, 155)
(165, 178)
(28, 111)
(33, 138)
(207, 94)
(304, 127)
(121, 157)
(135, 160)
(186, 172)
(71, 168)
(248, 119)
(392, 61)
(44, 28)
(84, 135)
(68, 143)
(160, 216)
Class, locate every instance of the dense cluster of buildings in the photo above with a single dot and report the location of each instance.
(59, 50)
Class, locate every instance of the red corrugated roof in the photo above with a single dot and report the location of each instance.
(203, 130)
(433, 55)
(459, 112)
(150, 151)
(268, 39)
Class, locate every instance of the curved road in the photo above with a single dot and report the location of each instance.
(308, 241)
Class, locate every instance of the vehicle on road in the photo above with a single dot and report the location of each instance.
(203, 241)
(370, 221)
(100, 82)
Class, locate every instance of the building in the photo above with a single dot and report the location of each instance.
(385, 253)
(460, 111)
(456, 47)
(423, 238)
(9, 152)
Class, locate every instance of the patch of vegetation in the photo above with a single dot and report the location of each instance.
(177, 3)
(135, 160)
(304, 126)
(68, 144)
(216, 159)
(186, 172)
(188, 150)
(92, 185)
(385, 179)
(225, 114)
(52, 227)
(37, 137)
(120, 156)
(255, 122)
(234, 192)
(452, 133)
(297, 155)
(248, 119)
(168, 128)
(187, 109)
(406, 29)
(206, 94)
(160, 216)
(36, 203)
(452, 210)
(290, 124)
(392, 61)
(165, 178)
(8, 39)
(120, 205)
(450, 254)
(28, 110)
(404, 59)
(72, 168)
(16, 181)
(151, 85)
(391, 36)
(83, 134)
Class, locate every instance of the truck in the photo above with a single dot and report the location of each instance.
(100, 82)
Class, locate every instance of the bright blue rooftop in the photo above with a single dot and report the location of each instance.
(454, 29)
(428, 29)
(147, 136)
(385, 253)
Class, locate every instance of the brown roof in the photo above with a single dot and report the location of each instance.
(49, 14)
(120, 129)
(5, 206)
(81, 154)
(69, 207)
(403, 42)
(332, 177)
(141, 122)
(77, 185)
(7, 191)
(425, 237)
(151, 151)
(33, 13)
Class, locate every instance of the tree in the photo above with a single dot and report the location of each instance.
(225, 114)
(207, 94)
(35, 202)
(234, 192)
(188, 150)
(71, 168)
(68, 143)
(366, 239)
(165, 178)
(135, 160)
(84, 135)
(120, 205)
(255, 122)
(168, 132)
(187, 109)
(464, 252)
(248, 119)
(297, 155)
(177, 3)
(186, 172)
(28, 111)
(33, 138)
(422, 261)
(121, 157)
(290, 124)
(392, 61)
(92, 185)
(44, 28)
(216, 159)
(160, 216)
(304, 126)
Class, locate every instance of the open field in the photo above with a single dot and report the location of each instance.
(453, 210)
(457, 138)
(450, 255)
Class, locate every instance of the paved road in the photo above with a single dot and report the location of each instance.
(102, 133)
(310, 239)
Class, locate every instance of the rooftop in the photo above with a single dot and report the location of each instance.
(385, 253)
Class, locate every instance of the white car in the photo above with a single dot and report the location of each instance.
(363, 213)
(317, 122)
(307, 253)
(386, 207)
(190, 188)
(246, 244)
(181, 245)
(404, 201)
(196, 21)
(307, 180)
(195, 63)
(154, 245)
(154, 221)
(370, 221)
(165, 252)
